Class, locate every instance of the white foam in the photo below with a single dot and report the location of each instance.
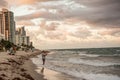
(88, 55)
(82, 75)
(91, 76)
(58, 65)
(91, 62)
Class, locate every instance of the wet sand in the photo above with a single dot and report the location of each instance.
(53, 75)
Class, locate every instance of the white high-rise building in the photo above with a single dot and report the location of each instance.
(21, 37)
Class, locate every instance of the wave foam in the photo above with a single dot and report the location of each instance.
(91, 62)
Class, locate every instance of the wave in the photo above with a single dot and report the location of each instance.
(88, 55)
(91, 62)
(75, 73)
(81, 65)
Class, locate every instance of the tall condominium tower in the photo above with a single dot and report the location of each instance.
(23, 32)
(7, 25)
(2, 27)
(21, 37)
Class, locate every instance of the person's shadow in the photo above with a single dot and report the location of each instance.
(42, 70)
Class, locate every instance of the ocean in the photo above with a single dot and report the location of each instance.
(84, 64)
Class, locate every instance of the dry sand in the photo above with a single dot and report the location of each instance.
(18, 66)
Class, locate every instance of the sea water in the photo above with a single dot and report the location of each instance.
(87, 64)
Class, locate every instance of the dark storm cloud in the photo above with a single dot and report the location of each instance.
(3, 3)
(102, 12)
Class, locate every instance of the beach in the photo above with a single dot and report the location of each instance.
(21, 67)
(18, 66)
(60, 65)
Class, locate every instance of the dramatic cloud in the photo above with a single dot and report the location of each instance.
(67, 23)
(102, 13)
(98, 13)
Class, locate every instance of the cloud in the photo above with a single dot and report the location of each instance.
(98, 13)
(82, 33)
(102, 13)
(112, 32)
(55, 35)
(50, 27)
(26, 2)
(3, 3)
(25, 23)
(51, 31)
(37, 14)
(62, 22)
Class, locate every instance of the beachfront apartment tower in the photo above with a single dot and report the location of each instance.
(27, 42)
(22, 31)
(2, 27)
(7, 25)
(21, 37)
(2, 32)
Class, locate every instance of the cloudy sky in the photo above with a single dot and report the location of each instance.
(68, 23)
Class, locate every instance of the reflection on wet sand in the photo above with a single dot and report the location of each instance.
(42, 70)
(53, 75)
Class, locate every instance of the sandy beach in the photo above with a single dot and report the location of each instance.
(21, 67)
(59, 66)
(18, 66)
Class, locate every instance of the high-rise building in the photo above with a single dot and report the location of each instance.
(2, 27)
(23, 32)
(27, 42)
(8, 30)
(21, 37)
(17, 38)
(7, 25)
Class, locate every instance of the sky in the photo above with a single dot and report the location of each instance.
(58, 24)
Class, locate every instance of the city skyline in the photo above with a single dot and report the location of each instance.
(8, 29)
(68, 23)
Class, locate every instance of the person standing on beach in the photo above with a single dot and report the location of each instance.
(44, 54)
(11, 51)
(14, 49)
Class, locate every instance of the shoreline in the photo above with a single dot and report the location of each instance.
(19, 66)
(31, 70)
(51, 74)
